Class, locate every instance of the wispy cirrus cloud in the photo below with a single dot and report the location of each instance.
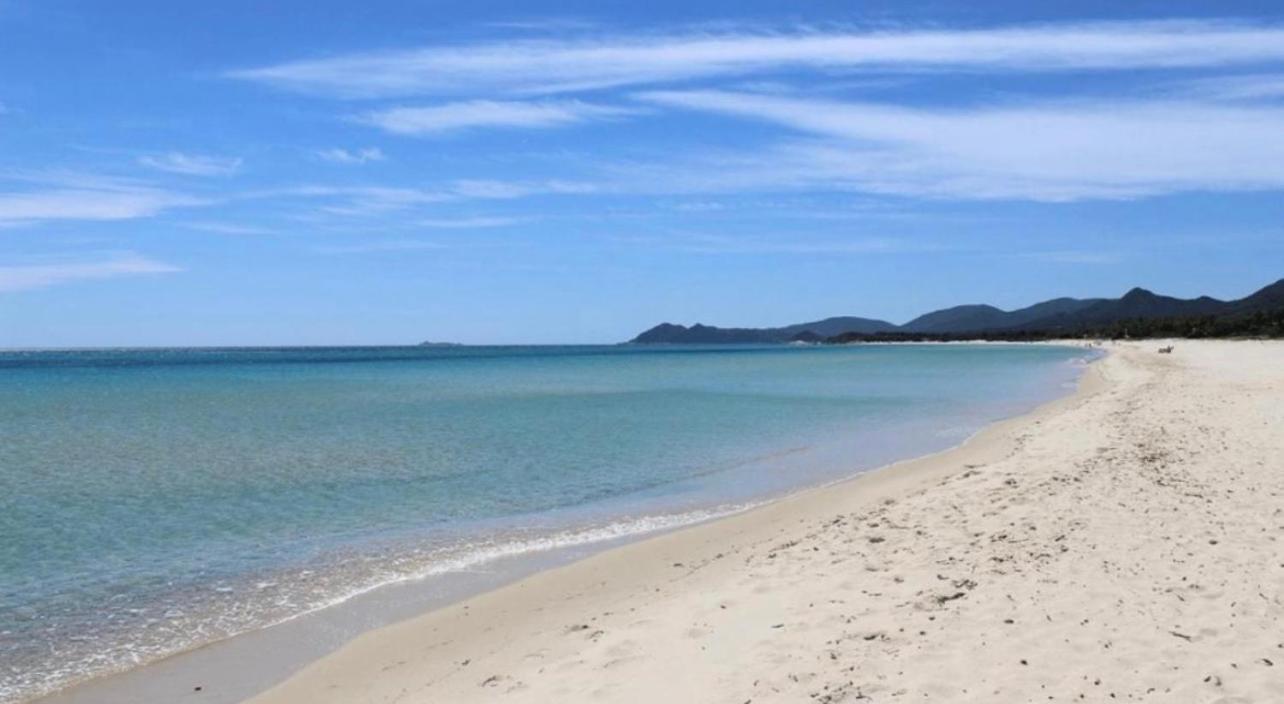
(552, 66)
(376, 200)
(228, 228)
(23, 277)
(351, 156)
(380, 246)
(452, 117)
(29, 207)
(1260, 86)
(359, 200)
(724, 244)
(29, 197)
(1050, 151)
(470, 223)
(547, 24)
(191, 164)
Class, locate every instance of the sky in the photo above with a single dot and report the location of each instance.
(311, 173)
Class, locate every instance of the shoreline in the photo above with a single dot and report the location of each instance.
(170, 676)
(873, 485)
(1120, 542)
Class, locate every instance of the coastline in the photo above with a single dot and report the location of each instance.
(293, 644)
(891, 591)
(1120, 542)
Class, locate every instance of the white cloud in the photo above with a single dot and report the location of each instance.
(470, 223)
(228, 228)
(361, 200)
(501, 190)
(559, 66)
(717, 244)
(124, 203)
(548, 24)
(376, 200)
(1242, 87)
(380, 246)
(34, 276)
(450, 117)
(1050, 151)
(353, 156)
(191, 164)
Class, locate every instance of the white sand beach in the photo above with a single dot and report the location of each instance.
(1122, 544)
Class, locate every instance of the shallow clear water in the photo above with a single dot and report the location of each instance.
(154, 500)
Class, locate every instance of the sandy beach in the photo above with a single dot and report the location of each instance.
(1119, 544)
(661, 353)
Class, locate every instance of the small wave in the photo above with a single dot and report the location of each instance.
(472, 554)
(203, 629)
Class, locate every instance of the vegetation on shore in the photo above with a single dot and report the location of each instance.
(1260, 324)
(1137, 314)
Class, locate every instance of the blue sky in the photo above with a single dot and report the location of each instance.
(369, 173)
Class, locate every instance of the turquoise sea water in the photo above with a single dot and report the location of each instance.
(155, 500)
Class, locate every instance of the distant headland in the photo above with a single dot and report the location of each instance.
(1138, 313)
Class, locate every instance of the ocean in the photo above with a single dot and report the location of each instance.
(152, 501)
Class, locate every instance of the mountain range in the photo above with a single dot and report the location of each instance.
(1057, 316)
